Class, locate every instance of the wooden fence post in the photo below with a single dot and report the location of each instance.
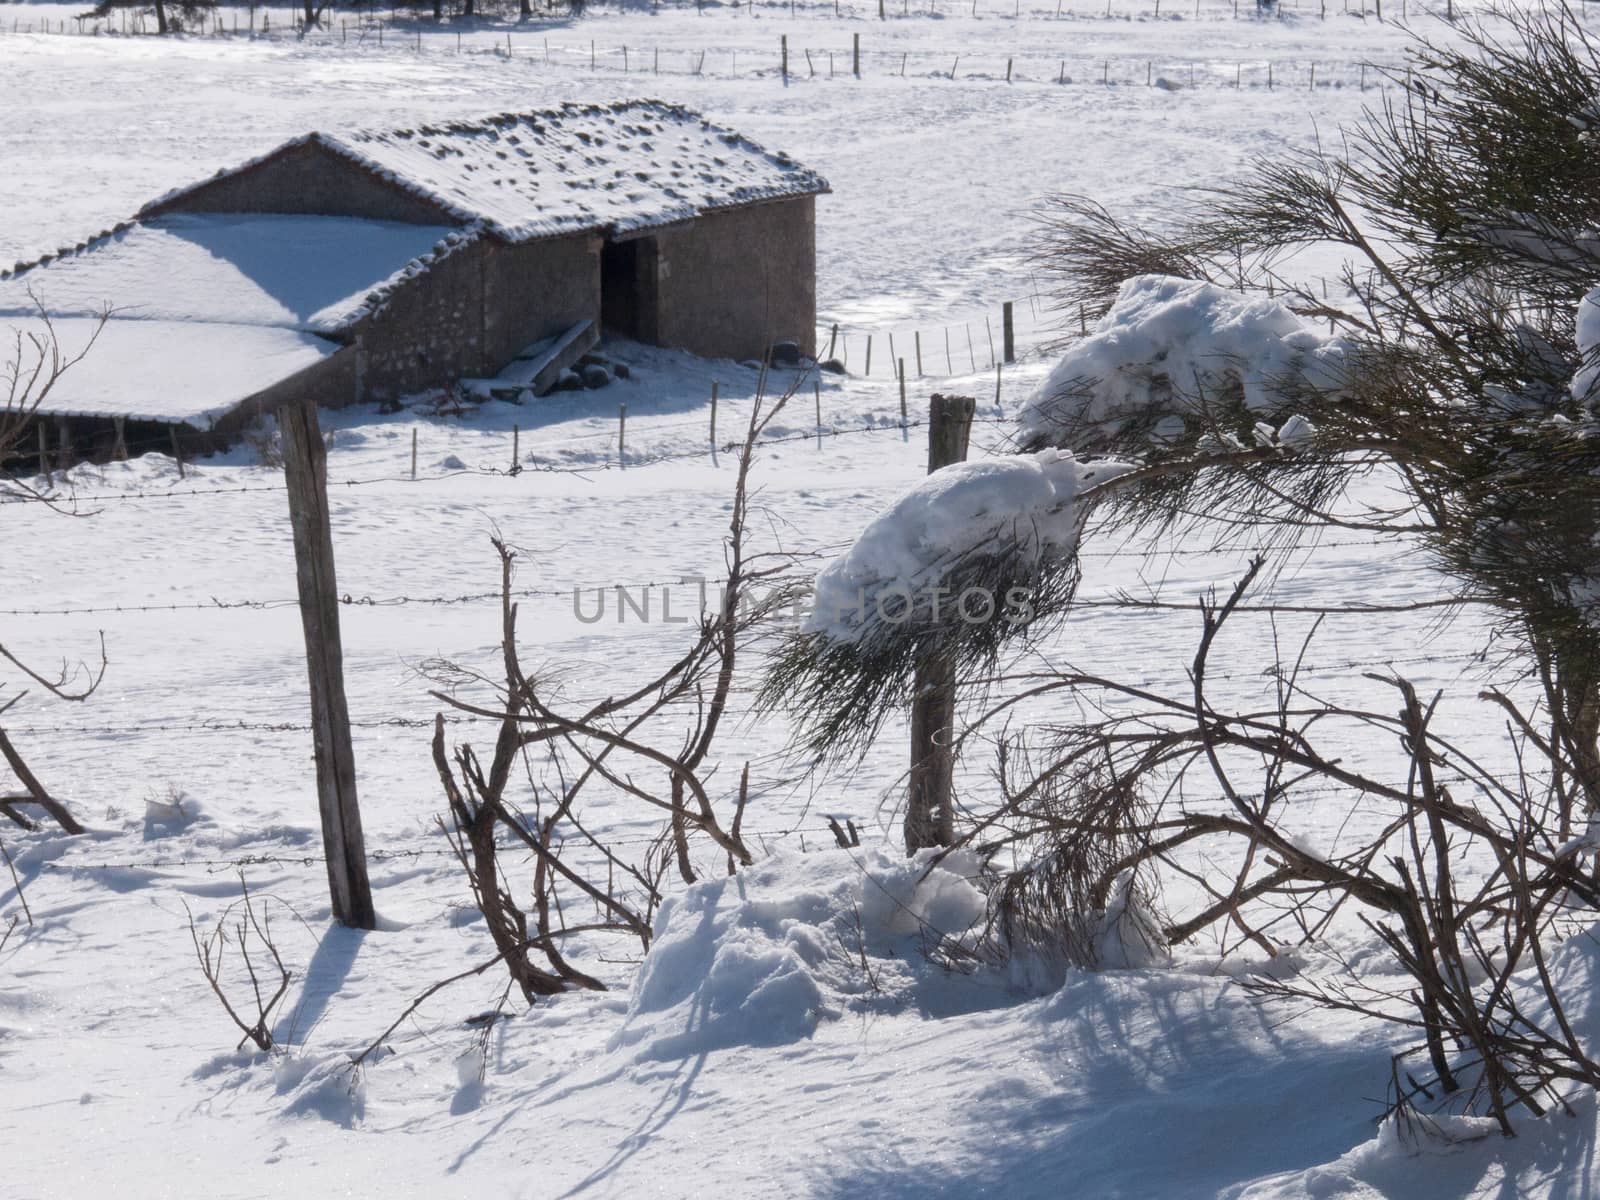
(120, 451)
(305, 463)
(177, 450)
(713, 412)
(855, 55)
(930, 810)
(903, 393)
(44, 452)
(783, 42)
(1008, 335)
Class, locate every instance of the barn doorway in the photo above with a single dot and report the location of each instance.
(628, 302)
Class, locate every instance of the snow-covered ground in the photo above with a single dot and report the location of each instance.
(770, 1046)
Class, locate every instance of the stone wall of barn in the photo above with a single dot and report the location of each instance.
(730, 283)
(537, 289)
(307, 178)
(473, 310)
(430, 332)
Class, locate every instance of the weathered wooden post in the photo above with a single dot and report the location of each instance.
(120, 450)
(1008, 336)
(305, 464)
(783, 42)
(713, 412)
(930, 808)
(903, 415)
(855, 55)
(44, 453)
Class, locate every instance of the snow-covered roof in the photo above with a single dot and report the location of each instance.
(316, 274)
(178, 372)
(619, 167)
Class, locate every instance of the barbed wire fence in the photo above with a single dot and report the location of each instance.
(273, 724)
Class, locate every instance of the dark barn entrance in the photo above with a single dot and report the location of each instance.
(628, 299)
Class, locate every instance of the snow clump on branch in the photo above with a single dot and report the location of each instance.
(1168, 349)
(921, 561)
(972, 556)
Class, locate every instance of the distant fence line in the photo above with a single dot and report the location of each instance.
(487, 14)
(784, 63)
(950, 346)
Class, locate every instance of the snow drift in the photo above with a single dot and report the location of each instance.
(760, 958)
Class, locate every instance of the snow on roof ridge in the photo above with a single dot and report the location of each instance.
(527, 213)
(88, 243)
(366, 147)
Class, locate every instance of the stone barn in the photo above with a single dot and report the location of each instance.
(373, 265)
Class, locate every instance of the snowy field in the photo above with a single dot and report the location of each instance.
(759, 1050)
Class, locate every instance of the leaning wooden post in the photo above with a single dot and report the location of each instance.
(305, 464)
(930, 808)
(1008, 332)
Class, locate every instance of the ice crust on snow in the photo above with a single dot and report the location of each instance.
(1025, 505)
(1166, 346)
(625, 166)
